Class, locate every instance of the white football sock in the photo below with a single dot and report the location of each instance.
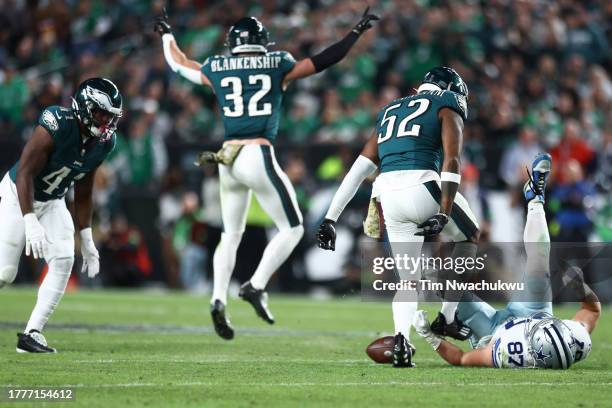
(448, 310)
(50, 292)
(403, 313)
(224, 261)
(536, 228)
(465, 249)
(276, 252)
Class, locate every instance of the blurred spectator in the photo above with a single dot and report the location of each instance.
(124, 255)
(518, 157)
(570, 201)
(572, 147)
(189, 239)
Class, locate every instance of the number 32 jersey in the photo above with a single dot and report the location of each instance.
(410, 132)
(510, 347)
(249, 89)
(71, 158)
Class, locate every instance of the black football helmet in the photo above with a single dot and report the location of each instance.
(446, 78)
(248, 35)
(98, 105)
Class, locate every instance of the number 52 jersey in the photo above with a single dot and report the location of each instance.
(70, 160)
(410, 132)
(249, 89)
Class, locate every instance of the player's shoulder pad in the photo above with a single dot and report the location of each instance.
(454, 101)
(286, 55)
(54, 118)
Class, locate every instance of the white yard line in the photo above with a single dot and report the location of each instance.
(316, 384)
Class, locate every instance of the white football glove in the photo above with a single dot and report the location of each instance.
(421, 325)
(91, 258)
(36, 239)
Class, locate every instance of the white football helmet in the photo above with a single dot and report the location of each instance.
(582, 340)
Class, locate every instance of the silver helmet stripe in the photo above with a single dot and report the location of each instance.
(556, 339)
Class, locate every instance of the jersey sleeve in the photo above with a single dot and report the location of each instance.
(51, 120)
(205, 69)
(456, 102)
(287, 62)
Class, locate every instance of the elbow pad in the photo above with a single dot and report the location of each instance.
(188, 73)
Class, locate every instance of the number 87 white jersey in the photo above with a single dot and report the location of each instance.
(510, 346)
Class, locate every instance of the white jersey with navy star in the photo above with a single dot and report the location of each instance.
(510, 347)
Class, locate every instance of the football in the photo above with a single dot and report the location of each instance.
(381, 350)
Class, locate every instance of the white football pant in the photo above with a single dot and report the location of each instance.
(255, 170)
(59, 228)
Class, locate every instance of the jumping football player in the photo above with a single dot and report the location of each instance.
(524, 334)
(66, 147)
(416, 145)
(249, 85)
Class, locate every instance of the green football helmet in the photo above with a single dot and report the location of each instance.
(248, 35)
(448, 79)
(98, 105)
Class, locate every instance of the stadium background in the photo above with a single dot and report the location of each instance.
(538, 73)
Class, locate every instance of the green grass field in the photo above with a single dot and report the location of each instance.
(124, 349)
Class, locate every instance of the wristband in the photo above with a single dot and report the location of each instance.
(450, 177)
(86, 234)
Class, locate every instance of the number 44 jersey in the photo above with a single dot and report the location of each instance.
(71, 159)
(249, 89)
(410, 132)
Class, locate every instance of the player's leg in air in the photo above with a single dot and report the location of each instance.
(255, 168)
(277, 197)
(235, 201)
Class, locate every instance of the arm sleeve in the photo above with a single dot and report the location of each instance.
(190, 74)
(361, 169)
(334, 53)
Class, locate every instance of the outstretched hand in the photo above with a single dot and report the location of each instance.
(366, 22)
(162, 26)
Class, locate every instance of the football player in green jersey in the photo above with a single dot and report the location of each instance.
(416, 146)
(65, 149)
(249, 85)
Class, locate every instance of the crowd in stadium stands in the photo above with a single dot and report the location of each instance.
(538, 74)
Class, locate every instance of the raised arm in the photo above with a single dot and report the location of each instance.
(332, 54)
(176, 59)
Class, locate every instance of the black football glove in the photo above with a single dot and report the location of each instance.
(365, 23)
(162, 26)
(326, 236)
(433, 226)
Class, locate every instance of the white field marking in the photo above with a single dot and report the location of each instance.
(230, 360)
(179, 329)
(316, 384)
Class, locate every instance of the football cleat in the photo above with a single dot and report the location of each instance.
(402, 352)
(540, 169)
(33, 342)
(220, 321)
(457, 329)
(258, 298)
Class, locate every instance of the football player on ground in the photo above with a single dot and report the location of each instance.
(66, 147)
(524, 334)
(416, 145)
(249, 85)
